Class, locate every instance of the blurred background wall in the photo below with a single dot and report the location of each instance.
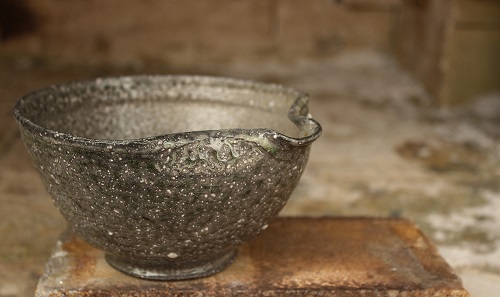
(451, 46)
(183, 32)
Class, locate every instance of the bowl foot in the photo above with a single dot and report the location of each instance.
(164, 271)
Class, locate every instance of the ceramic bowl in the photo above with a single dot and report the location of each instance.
(168, 174)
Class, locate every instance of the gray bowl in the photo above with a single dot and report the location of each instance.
(168, 174)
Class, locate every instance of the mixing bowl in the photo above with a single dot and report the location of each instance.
(168, 174)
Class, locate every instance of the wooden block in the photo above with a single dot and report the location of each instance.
(294, 256)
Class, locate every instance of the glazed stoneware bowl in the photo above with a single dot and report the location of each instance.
(168, 174)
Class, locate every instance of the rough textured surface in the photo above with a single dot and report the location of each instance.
(169, 205)
(294, 256)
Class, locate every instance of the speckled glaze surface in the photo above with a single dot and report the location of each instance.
(168, 174)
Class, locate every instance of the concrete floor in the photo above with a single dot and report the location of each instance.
(384, 152)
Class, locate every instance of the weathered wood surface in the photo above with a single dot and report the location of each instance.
(294, 256)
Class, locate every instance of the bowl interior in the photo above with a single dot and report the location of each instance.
(140, 107)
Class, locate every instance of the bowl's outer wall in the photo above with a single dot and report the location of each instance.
(178, 201)
(181, 199)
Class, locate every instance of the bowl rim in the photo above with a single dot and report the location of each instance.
(296, 115)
